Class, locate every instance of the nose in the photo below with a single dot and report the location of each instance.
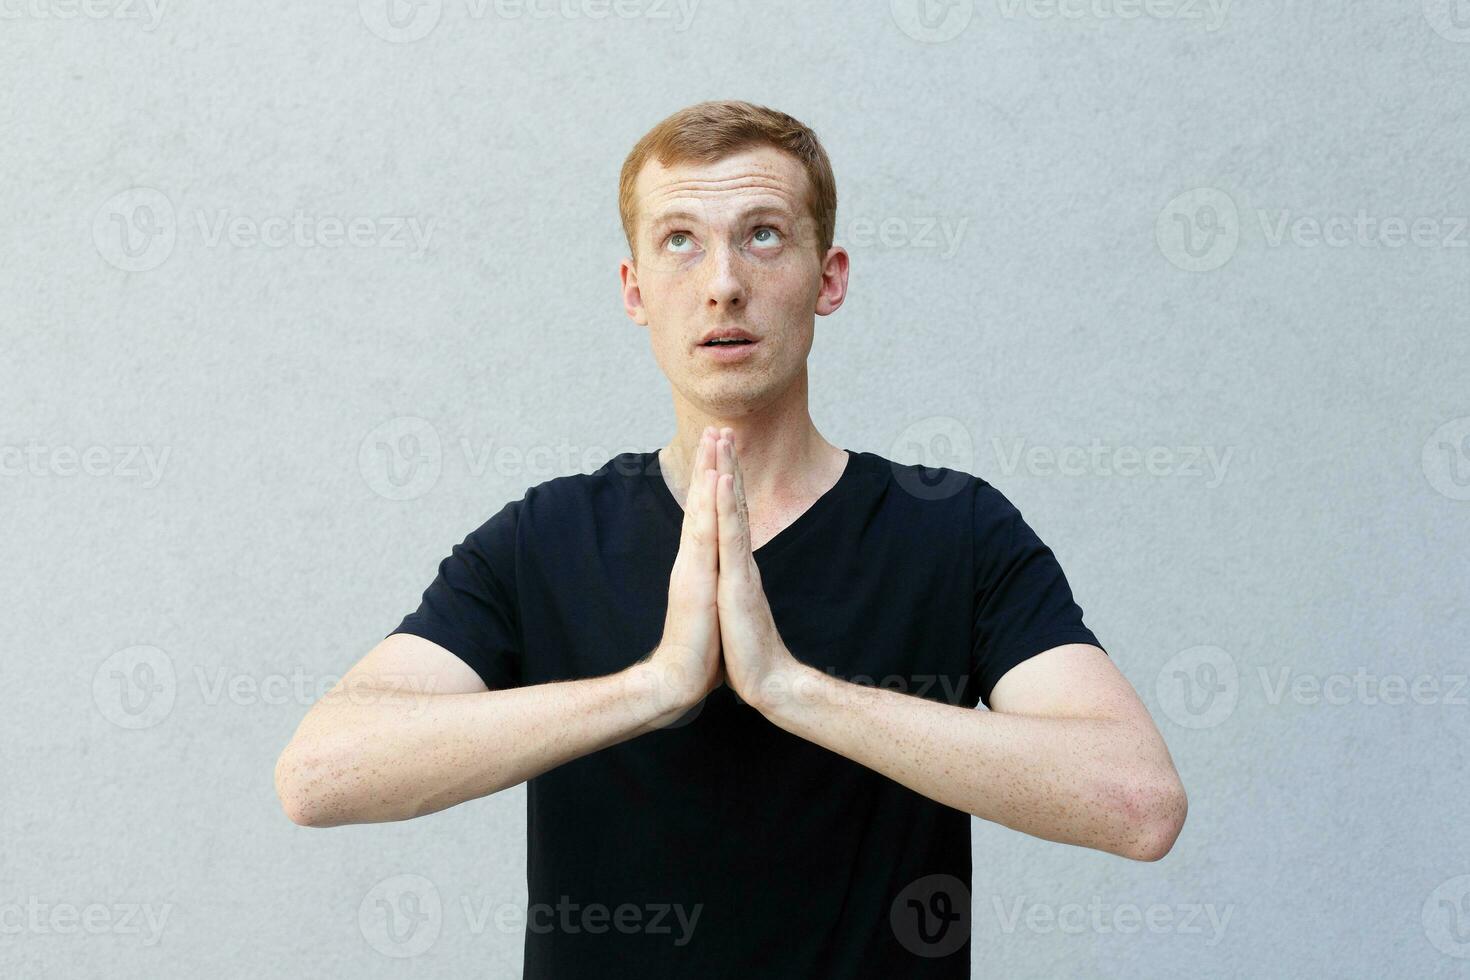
(726, 288)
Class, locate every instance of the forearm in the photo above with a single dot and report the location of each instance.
(382, 755)
(1091, 782)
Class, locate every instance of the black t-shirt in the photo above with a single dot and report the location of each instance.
(723, 845)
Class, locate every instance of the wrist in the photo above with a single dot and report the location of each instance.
(788, 690)
(660, 690)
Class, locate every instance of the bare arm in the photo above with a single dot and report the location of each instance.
(1068, 752)
(412, 730)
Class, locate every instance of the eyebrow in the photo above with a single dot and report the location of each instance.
(679, 214)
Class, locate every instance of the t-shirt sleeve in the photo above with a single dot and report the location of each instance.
(1023, 604)
(470, 607)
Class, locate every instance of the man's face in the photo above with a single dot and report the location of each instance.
(729, 244)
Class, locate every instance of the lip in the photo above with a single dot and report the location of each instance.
(726, 353)
(724, 333)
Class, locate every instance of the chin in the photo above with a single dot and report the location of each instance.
(734, 394)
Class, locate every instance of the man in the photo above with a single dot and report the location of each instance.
(739, 674)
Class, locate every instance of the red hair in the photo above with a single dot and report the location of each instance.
(710, 131)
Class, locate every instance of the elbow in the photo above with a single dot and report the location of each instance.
(1153, 817)
(293, 788)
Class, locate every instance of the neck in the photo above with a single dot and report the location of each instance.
(782, 455)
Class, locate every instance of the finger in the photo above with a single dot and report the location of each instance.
(701, 461)
(706, 553)
(692, 493)
(733, 558)
(723, 446)
(729, 465)
(740, 502)
(696, 472)
(725, 466)
(709, 460)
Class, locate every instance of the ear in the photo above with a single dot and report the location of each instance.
(632, 298)
(834, 281)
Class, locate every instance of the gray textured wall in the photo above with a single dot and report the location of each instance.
(1187, 281)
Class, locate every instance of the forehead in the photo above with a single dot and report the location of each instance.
(756, 177)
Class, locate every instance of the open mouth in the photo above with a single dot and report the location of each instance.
(727, 342)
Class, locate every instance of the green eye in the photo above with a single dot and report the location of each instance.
(774, 236)
(677, 240)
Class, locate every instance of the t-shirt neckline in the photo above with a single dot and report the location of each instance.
(671, 505)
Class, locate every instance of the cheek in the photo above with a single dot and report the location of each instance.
(669, 295)
(791, 298)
